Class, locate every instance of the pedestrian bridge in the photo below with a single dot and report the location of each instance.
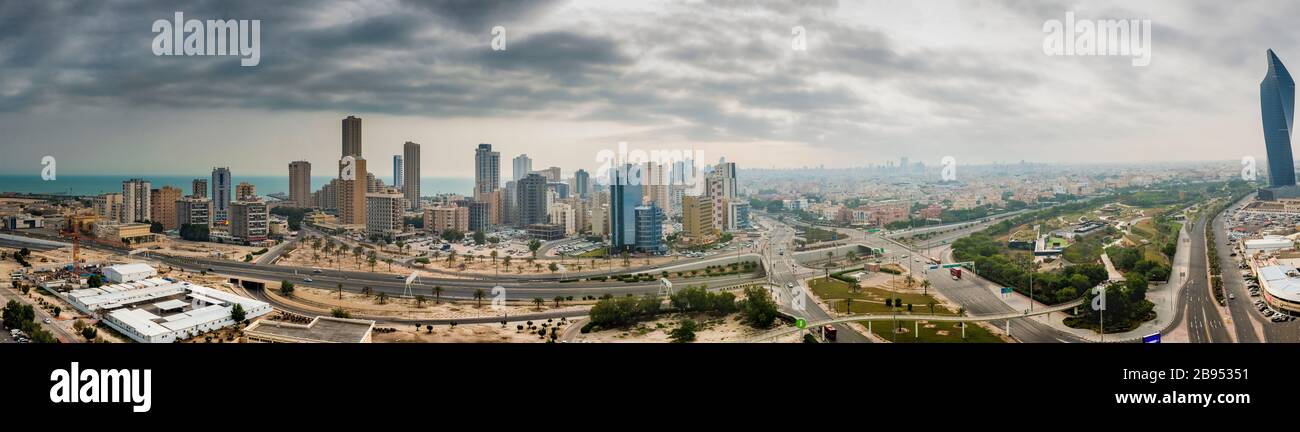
(913, 317)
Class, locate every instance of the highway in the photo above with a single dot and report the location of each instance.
(394, 285)
(1197, 304)
(785, 271)
(971, 292)
(1240, 309)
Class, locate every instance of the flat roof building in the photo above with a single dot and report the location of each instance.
(322, 329)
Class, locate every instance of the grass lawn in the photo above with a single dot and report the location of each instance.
(815, 235)
(940, 332)
(872, 300)
(594, 253)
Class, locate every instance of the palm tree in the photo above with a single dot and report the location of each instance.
(506, 262)
(419, 300)
(370, 259)
(539, 302)
(356, 254)
(625, 257)
(478, 297)
(340, 291)
(451, 258)
(437, 294)
(558, 299)
(494, 260)
(925, 286)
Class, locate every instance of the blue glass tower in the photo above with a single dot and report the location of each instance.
(625, 197)
(1277, 109)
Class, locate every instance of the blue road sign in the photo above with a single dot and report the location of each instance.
(1006, 290)
(1151, 338)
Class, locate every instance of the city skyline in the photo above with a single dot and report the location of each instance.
(725, 82)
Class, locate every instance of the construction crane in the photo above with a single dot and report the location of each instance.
(72, 234)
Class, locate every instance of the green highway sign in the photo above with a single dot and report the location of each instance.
(952, 265)
(873, 230)
(801, 323)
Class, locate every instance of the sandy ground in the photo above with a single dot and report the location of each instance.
(325, 300)
(469, 333)
(712, 329)
(205, 250)
(302, 256)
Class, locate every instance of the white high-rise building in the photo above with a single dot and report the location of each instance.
(384, 212)
(562, 214)
(135, 201)
(522, 165)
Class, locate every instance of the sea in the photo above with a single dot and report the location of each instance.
(265, 185)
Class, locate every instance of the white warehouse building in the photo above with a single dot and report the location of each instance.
(129, 272)
(163, 311)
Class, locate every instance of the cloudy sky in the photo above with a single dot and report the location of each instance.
(879, 80)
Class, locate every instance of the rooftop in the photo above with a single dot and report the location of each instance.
(1281, 281)
(321, 329)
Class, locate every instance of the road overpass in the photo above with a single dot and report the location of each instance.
(910, 317)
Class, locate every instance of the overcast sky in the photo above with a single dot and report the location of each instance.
(879, 80)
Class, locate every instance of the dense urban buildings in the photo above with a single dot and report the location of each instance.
(581, 183)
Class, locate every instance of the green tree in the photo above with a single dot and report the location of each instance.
(685, 332)
(478, 297)
(533, 246)
(237, 313)
(437, 294)
(480, 238)
(286, 288)
(758, 309)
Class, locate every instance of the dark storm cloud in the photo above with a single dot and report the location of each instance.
(715, 70)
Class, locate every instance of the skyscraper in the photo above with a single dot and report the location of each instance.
(397, 170)
(522, 165)
(352, 136)
(384, 213)
(625, 197)
(411, 173)
(1277, 106)
(351, 193)
(487, 170)
(581, 182)
(221, 189)
(300, 183)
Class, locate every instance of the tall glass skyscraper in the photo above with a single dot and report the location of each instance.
(1277, 106)
(625, 197)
